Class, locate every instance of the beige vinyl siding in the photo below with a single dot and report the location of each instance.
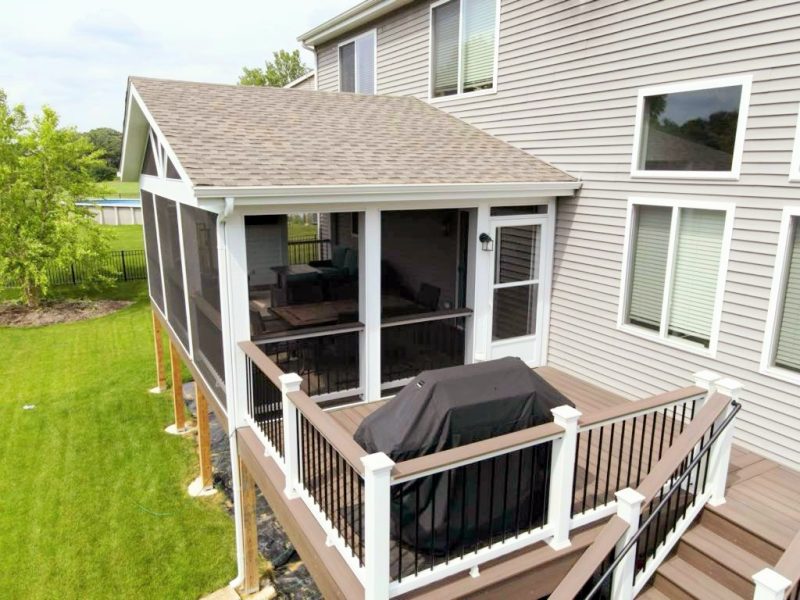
(568, 77)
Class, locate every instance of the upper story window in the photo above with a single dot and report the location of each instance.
(357, 64)
(691, 129)
(675, 271)
(794, 171)
(781, 356)
(463, 46)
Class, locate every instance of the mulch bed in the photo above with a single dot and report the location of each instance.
(49, 313)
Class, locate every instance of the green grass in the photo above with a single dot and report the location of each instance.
(122, 189)
(301, 230)
(125, 237)
(93, 499)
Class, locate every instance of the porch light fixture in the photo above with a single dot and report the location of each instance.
(487, 243)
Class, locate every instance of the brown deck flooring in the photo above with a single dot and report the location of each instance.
(761, 496)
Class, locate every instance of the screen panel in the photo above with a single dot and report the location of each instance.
(172, 267)
(151, 250)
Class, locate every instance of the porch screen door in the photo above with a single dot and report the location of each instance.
(516, 294)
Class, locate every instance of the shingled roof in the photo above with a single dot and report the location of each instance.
(238, 136)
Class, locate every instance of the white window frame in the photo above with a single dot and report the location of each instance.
(373, 32)
(460, 94)
(775, 300)
(745, 81)
(794, 169)
(663, 336)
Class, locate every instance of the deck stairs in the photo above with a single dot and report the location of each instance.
(717, 557)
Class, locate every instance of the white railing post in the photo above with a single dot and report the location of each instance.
(562, 471)
(720, 456)
(290, 382)
(708, 381)
(377, 507)
(629, 509)
(770, 585)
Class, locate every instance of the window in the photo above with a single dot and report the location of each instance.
(692, 129)
(357, 64)
(781, 355)
(675, 269)
(794, 171)
(463, 46)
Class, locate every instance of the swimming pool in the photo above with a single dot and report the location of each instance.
(111, 202)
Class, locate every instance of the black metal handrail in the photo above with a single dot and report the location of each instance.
(665, 500)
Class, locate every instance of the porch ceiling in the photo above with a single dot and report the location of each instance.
(227, 136)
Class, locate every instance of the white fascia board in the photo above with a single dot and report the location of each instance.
(358, 15)
(301, 79)
(252, 196)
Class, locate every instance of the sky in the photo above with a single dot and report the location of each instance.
(76, 55)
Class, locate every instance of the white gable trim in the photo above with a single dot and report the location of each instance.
(161, 142)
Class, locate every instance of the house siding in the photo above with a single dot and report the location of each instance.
(568, 77)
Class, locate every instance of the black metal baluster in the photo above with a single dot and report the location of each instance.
(586, 470)
(610, 460)
(641, 450)
(599, 465)
(621, 453)
(491, 502)
(574, 476)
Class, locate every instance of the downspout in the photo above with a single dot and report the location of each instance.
(232, 403)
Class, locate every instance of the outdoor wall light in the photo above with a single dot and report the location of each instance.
(487, 243)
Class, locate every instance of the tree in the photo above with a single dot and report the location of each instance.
(110, 142)
(284, 68)
(45, 170)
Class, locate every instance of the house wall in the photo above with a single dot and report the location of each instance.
(568, 76)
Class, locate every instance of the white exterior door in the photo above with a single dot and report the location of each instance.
(519, 281)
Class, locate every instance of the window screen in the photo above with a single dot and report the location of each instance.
(202, 278)
(151, 250)
(690, 131)
(463, 53)
(787, 352)
(357, 65)
(649, 265)
(172, 172)
(167, 213)
(478, 45)
(347, 67)
(696, 273)
(149, 162)
(445, 48)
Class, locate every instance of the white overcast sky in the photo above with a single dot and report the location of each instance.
(75, 55)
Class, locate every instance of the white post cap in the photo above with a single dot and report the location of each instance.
(706, 379)
(290, 381)
(565, 413)
(772, 580)
(629, 496)
(729, 387)
(377, 462)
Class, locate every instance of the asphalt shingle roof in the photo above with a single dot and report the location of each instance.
(226, 135)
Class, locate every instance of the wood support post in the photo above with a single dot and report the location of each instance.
(203, 437)
(177, 388)
(158, 343)
(249, 530)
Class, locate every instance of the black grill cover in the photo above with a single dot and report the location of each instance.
(451, 407)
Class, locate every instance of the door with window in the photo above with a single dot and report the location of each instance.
(518, 288)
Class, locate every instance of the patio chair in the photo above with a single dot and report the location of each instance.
(428, 296)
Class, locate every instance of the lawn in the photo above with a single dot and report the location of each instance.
(93, 499)
(121, 189)
(125, 237)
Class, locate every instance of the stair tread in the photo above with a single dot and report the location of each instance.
(652, 593)
(725, 552)
(759, 522)
(693, 581)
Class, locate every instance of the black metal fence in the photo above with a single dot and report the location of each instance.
(124, 265)
(303, 250)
